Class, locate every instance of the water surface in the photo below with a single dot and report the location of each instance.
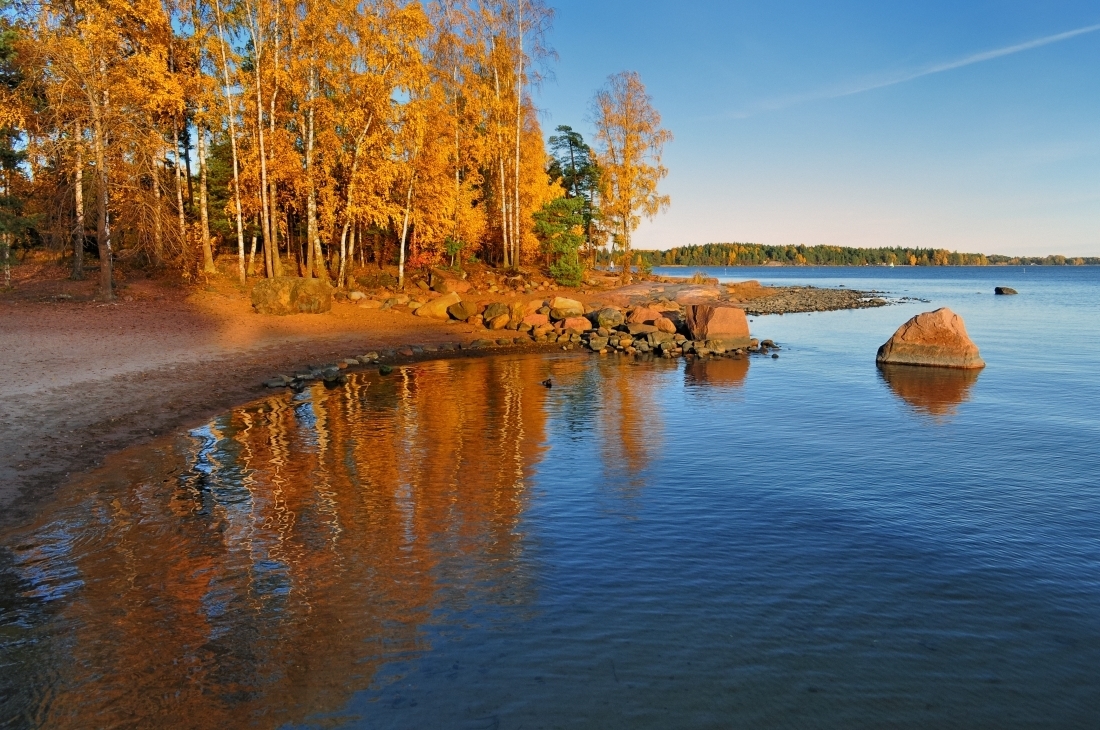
(801, 542)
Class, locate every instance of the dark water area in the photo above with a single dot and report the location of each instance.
(801, 542)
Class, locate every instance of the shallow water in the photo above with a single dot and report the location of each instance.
(801, 542)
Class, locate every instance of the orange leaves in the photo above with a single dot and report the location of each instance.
(630, 141)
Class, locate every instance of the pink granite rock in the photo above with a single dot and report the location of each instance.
(718, 322)
(934, 339)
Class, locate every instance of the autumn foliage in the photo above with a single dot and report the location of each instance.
(289, 137)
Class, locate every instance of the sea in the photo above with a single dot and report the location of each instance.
(799, 542)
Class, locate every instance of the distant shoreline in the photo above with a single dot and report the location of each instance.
(870, 266)
(758, 254)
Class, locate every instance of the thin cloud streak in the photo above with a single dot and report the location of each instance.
(901, 77)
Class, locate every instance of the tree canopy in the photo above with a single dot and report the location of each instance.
(297, 137)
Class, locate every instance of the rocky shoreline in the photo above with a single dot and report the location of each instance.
(646, 319)
(652, 329)
(798, 299)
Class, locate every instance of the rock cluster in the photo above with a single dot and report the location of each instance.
(602, 330)
(934, 339)
(796, 299)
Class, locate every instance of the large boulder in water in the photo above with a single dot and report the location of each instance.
(935, 339)
(1004, 290)
(291, 295)
(717, 322)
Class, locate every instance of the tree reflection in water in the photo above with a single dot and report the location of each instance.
(264, 569)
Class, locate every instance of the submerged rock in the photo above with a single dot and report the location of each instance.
(291, 295)
(934, 339)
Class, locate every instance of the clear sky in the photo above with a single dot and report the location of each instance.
(972, 126)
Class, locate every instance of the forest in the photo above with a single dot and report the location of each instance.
(291, 137)
(755, 254)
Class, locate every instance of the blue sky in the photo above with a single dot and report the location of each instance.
(972, 126)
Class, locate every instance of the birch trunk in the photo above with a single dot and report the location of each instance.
(78, 202)
(505, 241)
(341, 277)
(103, 227)
(404, 236)
(179, 205)
(158, 224)
(265, 219)
(517, 237)
(315, 262)
(233, 144)
(273, 199)
(204, 211)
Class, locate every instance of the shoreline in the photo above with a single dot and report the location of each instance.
(82, 380)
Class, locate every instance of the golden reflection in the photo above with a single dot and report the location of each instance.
(298, 544)
(936, 392)
(630, 420)
(716, 372)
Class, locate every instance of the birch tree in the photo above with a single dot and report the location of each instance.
(630, 141)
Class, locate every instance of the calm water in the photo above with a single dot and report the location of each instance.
(801, 542)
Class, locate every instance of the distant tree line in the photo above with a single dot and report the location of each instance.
(755, 254)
